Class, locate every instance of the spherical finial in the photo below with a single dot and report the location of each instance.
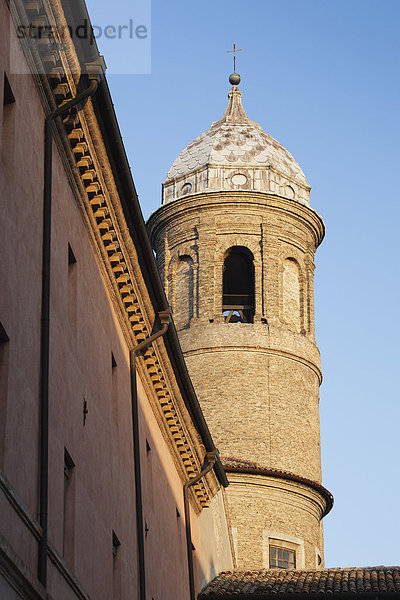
(234, 79)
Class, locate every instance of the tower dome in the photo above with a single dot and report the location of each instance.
(235, 154)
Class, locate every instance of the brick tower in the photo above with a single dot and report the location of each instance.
(235, 239)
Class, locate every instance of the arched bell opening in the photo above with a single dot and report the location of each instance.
(238, 288)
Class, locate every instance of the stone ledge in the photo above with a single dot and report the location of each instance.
(252, 337)
(247, 468)
(17, 575)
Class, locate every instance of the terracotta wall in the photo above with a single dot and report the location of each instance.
(89, 369)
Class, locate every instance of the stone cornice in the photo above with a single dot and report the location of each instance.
(262, 338)
(248, 468)
(248, 199)
(82, 149)
(267, 351)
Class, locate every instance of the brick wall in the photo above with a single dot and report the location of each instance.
(258, 383)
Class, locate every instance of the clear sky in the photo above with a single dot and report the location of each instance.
(322, 77)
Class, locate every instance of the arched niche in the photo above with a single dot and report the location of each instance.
(291, 296)
(183, 306)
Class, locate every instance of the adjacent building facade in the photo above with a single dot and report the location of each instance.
(99, 428)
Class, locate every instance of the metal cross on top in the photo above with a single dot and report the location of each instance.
(234, 55)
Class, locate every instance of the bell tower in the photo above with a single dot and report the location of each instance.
(235, 240)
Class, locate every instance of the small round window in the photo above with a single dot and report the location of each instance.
(290, 193)
(239, 179)
(186, 189)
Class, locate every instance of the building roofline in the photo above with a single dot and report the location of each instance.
(235, 465)
(105, 113)
(348, 582)
(302, 596)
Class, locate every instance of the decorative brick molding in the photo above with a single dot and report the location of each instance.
(81, 146)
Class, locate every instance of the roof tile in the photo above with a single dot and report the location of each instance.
(272, 582)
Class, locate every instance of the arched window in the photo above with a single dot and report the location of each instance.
(238, 286)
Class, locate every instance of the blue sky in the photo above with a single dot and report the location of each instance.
(323, 78)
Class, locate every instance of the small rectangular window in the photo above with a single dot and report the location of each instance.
(69, 509)
(72, 289)
(8, 127)
(114, 389)
(4, 367)
(149, 485)
(116, 566)
(115, 544)
(281, 558)
(71, 256)
(8, 96)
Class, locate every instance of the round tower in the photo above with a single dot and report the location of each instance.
(235, 239)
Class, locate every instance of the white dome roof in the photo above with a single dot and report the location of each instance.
(235, 153)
